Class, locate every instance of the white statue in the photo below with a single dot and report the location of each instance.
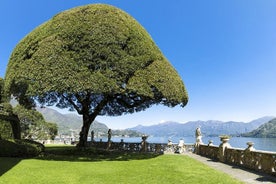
(198, 135)
(181, 146)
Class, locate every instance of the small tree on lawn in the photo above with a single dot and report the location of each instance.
(95, 59)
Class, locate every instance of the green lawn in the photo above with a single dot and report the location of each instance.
(107, 167)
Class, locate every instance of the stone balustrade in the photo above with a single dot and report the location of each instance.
(257, 160)
(261, 161)
(138, 147)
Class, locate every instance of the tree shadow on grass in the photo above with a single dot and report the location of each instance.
(74, 154)
(7, 163)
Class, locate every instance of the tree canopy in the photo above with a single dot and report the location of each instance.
(95, 59)
(1, 90)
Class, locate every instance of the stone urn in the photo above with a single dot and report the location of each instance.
(144, 138)
(210, 143)
(224, 138)
(250, 146)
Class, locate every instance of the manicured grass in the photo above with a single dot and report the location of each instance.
(91, 166)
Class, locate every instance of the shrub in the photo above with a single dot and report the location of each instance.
(20, 148)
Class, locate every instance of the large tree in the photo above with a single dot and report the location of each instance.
(95, 59)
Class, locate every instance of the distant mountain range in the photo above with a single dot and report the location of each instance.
(208, 128)
(267, 130)
(68, 123)
(72, 123)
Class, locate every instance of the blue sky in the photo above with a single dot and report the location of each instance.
(223, 50)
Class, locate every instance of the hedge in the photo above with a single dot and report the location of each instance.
(20, 148)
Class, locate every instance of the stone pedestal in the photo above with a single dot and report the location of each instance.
(222, 147)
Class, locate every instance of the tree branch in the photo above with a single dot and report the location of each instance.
(72, 103)
(99, 107)
(135, 103)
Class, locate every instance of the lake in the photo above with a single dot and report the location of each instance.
(266, 144)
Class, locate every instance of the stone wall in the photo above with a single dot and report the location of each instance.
(261, 161)
(142, 147)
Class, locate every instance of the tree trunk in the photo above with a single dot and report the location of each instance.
(87, 121)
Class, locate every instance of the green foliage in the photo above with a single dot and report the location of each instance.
(6, 109)
(20, 148)
(9, 122)
(33, 125)
(5, 130)
(97, 51)
(52, 130)
(1, 90)
(267, 130)
(95, 59)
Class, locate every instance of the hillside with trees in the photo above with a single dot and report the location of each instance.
(33, 125)
(267, 130)
(70, 123)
